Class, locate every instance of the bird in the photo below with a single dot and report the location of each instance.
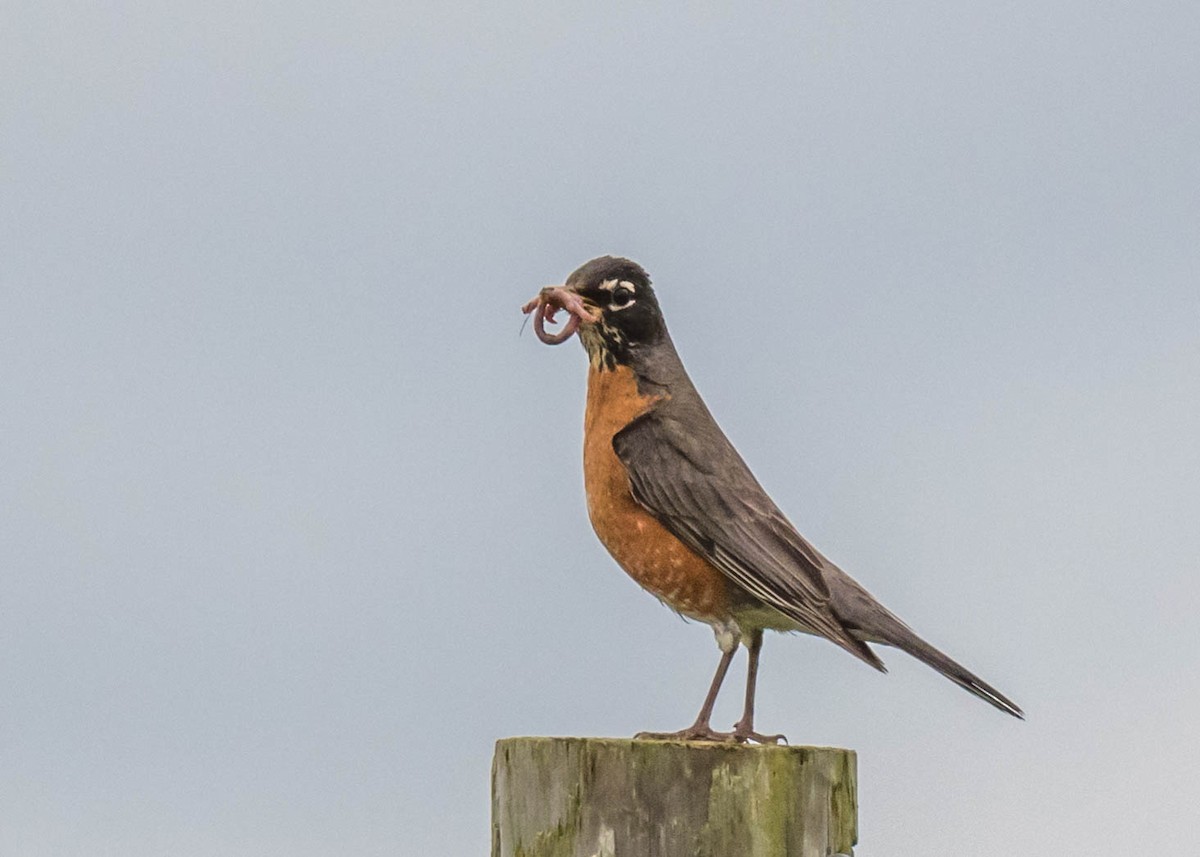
(679, 510)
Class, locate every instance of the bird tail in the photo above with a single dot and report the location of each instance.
(905, 639)
(860, 650)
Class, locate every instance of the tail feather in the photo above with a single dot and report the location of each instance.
(906, 640)
(861, 651)
(870, 621)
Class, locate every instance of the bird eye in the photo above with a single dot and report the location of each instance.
(621, 296)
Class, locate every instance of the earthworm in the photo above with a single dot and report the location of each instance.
(547, 304)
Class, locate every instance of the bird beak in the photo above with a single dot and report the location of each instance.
(546, 305)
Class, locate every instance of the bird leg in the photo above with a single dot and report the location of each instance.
(743, 730)
(700, 730)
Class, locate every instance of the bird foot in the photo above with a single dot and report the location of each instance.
(743, 733)
(746, 736)
(703, 732)
(695, 732)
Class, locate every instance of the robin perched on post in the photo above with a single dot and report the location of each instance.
(680, 512)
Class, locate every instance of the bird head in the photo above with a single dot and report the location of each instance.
(610, 302)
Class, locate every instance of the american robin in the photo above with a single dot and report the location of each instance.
(680, 512)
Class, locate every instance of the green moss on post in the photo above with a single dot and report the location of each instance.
(595, 797)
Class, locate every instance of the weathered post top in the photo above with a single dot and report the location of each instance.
(601, 797)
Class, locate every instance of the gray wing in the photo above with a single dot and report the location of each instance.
(697, 485)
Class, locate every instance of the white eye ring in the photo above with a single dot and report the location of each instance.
(622, 296)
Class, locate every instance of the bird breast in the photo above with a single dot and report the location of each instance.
(642, 546)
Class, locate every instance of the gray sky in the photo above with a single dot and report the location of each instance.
(291, 518)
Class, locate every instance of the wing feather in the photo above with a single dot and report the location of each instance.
(702, 491)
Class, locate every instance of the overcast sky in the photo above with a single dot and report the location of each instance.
(291, 518)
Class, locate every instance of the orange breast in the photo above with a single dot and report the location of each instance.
(637, 541)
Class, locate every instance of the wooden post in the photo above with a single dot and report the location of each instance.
(600, 797)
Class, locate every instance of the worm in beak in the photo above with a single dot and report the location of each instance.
(547, 304)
